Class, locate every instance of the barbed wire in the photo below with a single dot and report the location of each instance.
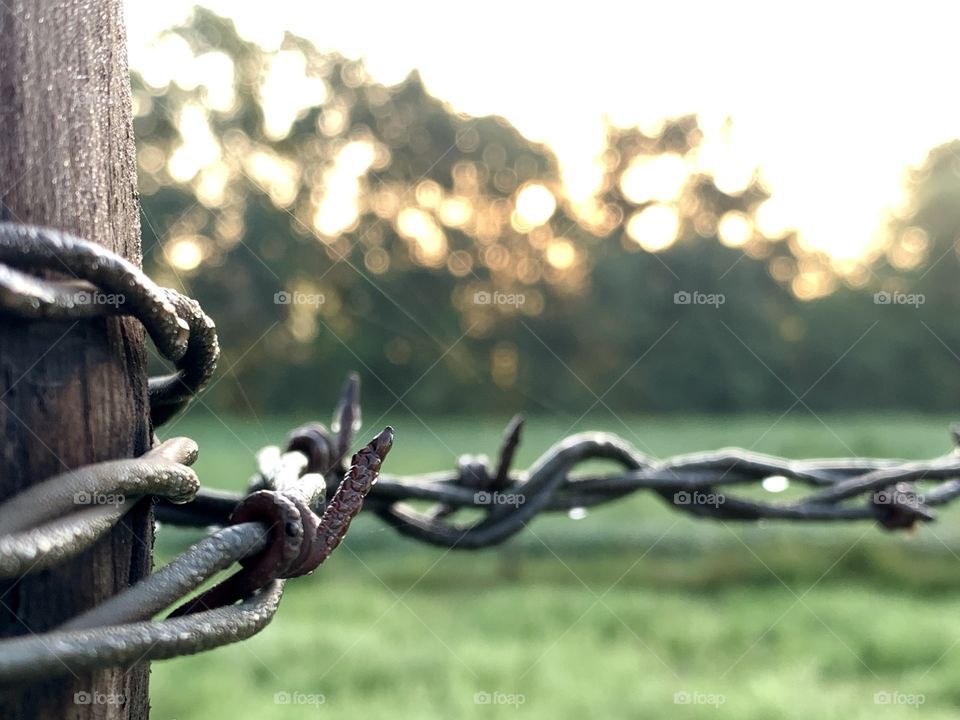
(283, 526)
(883, 490)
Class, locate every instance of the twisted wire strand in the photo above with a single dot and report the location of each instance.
(64, 515)
(688, 483)
(177, 579)
(71, 651)
(700, 484)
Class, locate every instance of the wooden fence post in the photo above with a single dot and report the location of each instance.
(71, 393)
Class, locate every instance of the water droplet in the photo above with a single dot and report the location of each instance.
(775, 483)
(577, 513)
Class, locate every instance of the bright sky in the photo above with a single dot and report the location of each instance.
(831, 100)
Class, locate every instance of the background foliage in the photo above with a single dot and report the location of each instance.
(398, 210)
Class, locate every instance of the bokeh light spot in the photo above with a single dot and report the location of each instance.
(561, 254)
(654, 177)
(735, 229)
(185, 253)
(535, 204)
(654, 228)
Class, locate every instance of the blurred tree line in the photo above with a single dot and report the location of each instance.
(329, 223)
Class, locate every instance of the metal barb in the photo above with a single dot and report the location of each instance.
(511, 440)
(346, 417)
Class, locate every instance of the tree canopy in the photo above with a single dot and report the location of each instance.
(374, 227)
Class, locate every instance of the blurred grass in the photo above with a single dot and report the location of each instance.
(609, 616)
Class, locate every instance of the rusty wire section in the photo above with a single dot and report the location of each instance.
(897, 494)
(700, 484)
(284, 526)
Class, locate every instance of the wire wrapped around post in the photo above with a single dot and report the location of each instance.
(122, 631)
(282, 528)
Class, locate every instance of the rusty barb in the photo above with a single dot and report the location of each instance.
(284, 526)
(286, 495)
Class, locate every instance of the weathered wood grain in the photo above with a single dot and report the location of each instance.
(71, 393)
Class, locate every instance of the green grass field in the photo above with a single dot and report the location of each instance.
(631, 612)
